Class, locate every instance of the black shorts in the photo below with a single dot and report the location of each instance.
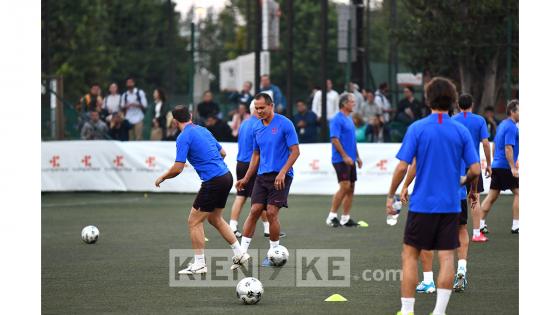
(265, 193)
(464, 216)
(240, 171)
(502, 179)
(479, 187)
(213, 194)
(345, 172)
(436, 231)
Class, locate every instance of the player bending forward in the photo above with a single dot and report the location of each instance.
(197, 145)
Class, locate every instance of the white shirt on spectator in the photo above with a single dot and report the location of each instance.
(134, 115)
(112, 103)
(383, 102)
(332, 104)
(158, 109)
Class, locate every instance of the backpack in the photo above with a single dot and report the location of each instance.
(138, 98)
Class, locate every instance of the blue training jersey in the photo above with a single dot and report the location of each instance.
(342, 128)
(439, 145)
(198, 146)
(273, 142)
(245, 139)
(507, 134)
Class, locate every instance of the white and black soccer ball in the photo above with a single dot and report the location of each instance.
(249, 290)
(90, 234)
(278, 255)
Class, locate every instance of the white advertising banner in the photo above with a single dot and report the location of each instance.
(135, 165)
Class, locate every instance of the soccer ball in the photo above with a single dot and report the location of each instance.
(90, 234)
(278, 255)
(249, 290)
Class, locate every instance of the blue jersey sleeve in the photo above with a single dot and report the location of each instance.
(254, 136)
(483, 130)
(409, 146)
(510, 135)
(469, 153)
(182, 150)
(290, 134)
(335, 127)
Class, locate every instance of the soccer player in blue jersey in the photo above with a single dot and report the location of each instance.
(344, 158)
(479, 133)
(439, 144)
(275, 150)
(244, 153)
(505, 172)
(197, 145)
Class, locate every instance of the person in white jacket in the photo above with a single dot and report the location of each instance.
(332, 102)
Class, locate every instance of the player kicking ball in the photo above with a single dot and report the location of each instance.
(438, 144)
(505, 170)
(344, 158)
(244, 153)
(275, 150)
(197, 145)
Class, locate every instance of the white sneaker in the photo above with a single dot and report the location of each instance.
(239, 261)
(194, 269)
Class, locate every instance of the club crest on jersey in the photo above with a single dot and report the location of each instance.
(274, 130)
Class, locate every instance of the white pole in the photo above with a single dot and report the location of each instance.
(265, 15)
(53, 86)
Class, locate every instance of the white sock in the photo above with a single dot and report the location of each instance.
(266, 227)
(428, 277)
(482, 223)
(462, 264)
(332, 215)
(515, 225)
(233, 225)
(199, 259)
(237, 250)
(344, 219)
(443, 296)
(407, 306)
(476, 232)
(245, 242)
(274, 243)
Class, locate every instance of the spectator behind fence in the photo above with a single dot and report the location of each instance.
(158, 114)
(491, 122)
(332, 102)
(277, 96)
(238, 118)
(306, 123)
(94, 128)
(244, 96)
(376, 130)
(92, 101)
(219, 129)
(111, 103)
(408, 109)
(383, 102)
(360, 127)
(354, 89)
(207, 108)
(370, 109)
(134, 103)
(119, 127)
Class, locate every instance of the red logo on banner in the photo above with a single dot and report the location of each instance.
(54, 161)
(381, 165)
(118, 161)
(86, 161)
(151, 161)
(314, 165)
(274, 131)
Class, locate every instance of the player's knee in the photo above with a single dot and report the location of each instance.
(345, 186)
(214, 221)
(272, 215)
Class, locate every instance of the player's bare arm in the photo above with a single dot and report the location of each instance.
(338, 146)
(223, 153)
(410, 175)
(294, 154)
(486, 147)
(398, 176)
(253, 165)
(509, 157)
(173, 171)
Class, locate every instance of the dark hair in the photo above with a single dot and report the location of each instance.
(130, 78)
(465, 101)
(181, 113)
(299, 100)
(94, 84)
(316, 87)
(441, 94)
(344, 99)
(266, 97)
(512, 106)
(161, 94)
(489, 108)
(410, 88)
(383, 85)
(369, 91)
